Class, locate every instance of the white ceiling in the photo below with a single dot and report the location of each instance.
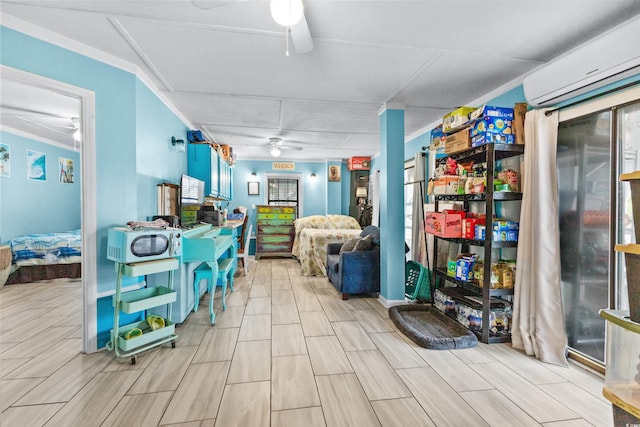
(222, 64)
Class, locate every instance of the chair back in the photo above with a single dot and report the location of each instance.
(241, 238)
(245, 250)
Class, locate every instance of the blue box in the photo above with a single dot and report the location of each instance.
(492, 138)
(492, 125)
(489, 111)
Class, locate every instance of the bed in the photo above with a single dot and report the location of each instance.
(45, 256)
(312, 236)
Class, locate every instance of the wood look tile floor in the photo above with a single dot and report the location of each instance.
(287, 352)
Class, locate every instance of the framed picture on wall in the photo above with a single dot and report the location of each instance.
(36, 166)
(5, 165)
(334, 173)
(254, 188)
(65, 166)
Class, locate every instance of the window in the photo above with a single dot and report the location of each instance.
(283, 192)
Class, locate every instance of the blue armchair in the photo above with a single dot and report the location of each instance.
(356, 271)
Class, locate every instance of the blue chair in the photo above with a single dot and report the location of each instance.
(224, 270)
(355, 272)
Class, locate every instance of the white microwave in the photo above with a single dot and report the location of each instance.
(126, 246)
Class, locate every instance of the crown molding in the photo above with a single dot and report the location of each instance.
(91, 52)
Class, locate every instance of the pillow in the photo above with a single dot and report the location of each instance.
(348, 245)
(373, 231)
(363, 244)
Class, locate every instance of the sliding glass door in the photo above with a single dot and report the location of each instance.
(595, 214)
(584, 189)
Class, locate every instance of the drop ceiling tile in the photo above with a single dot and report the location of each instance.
(209, 109)
(330, 116)
(248, 63)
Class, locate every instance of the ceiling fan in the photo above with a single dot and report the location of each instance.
(276, 144)
(288, 13)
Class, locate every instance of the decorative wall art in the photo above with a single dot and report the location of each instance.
(334, 173)
(254, 188)
(5, 163)
(36, 166)
(65, 166)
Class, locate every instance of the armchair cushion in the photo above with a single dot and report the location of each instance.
(349, 245)
(363, 244)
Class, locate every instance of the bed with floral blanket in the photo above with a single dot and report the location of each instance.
(45, 256)
(312, 236)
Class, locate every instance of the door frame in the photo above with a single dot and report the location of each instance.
(87, 193)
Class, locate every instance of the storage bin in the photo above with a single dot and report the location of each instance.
(143, 299)
(148, 335)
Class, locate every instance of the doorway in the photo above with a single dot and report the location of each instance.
(86, 125)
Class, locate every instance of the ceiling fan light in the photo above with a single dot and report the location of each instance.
(287, 12)
(275, 152)
(77, 136)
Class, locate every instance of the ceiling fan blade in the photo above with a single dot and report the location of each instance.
(301, 36)
(289, 147)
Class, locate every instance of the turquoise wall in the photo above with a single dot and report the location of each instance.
(314, 197)
(30, 206)
(157, 160)
(121, 167)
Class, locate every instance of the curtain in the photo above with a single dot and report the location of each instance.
(418, 249)
(375, 215)
(538, 319)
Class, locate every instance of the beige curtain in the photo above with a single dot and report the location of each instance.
(418, 248)
(538, 319)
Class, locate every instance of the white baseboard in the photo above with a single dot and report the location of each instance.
(390, 303)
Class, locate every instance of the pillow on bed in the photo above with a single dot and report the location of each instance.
(349, 245)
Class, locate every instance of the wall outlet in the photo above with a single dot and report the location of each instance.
(253, 206)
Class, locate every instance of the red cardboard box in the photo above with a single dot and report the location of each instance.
(359, 163)
(443, 224)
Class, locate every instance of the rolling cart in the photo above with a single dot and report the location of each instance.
(129, 340)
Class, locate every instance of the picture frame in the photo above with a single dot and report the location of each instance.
(334, 173)
(254, 188)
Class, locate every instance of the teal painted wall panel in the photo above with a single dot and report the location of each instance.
(157, 160)
(117, 132)
(314, 197)
(32, 206)
(392, 204)
(334, 190)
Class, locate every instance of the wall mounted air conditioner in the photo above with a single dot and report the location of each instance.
(605, 59)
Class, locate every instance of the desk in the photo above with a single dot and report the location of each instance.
(202, 243)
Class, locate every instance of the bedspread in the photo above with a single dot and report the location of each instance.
(46, 249)
(313, 247)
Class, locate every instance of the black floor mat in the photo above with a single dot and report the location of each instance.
(430, 328)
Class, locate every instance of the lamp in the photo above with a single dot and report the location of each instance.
(275, 152)
(361, 192)
(313, 176)
(177, 143)
(254, 177)
(287, 12)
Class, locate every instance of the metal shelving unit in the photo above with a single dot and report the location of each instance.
(489, 154)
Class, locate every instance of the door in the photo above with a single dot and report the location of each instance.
(585, 169)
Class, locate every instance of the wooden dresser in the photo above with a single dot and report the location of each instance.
(275, 231)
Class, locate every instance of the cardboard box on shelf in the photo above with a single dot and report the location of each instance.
(492, 125)
(491, 111)
(458, 141)
(443, 224)
(519, 111)
(457, 119)
(437, 137)
(447, 184)
(491, 138)
(359, 163)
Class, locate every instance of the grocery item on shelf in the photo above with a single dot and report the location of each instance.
(456, 119)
